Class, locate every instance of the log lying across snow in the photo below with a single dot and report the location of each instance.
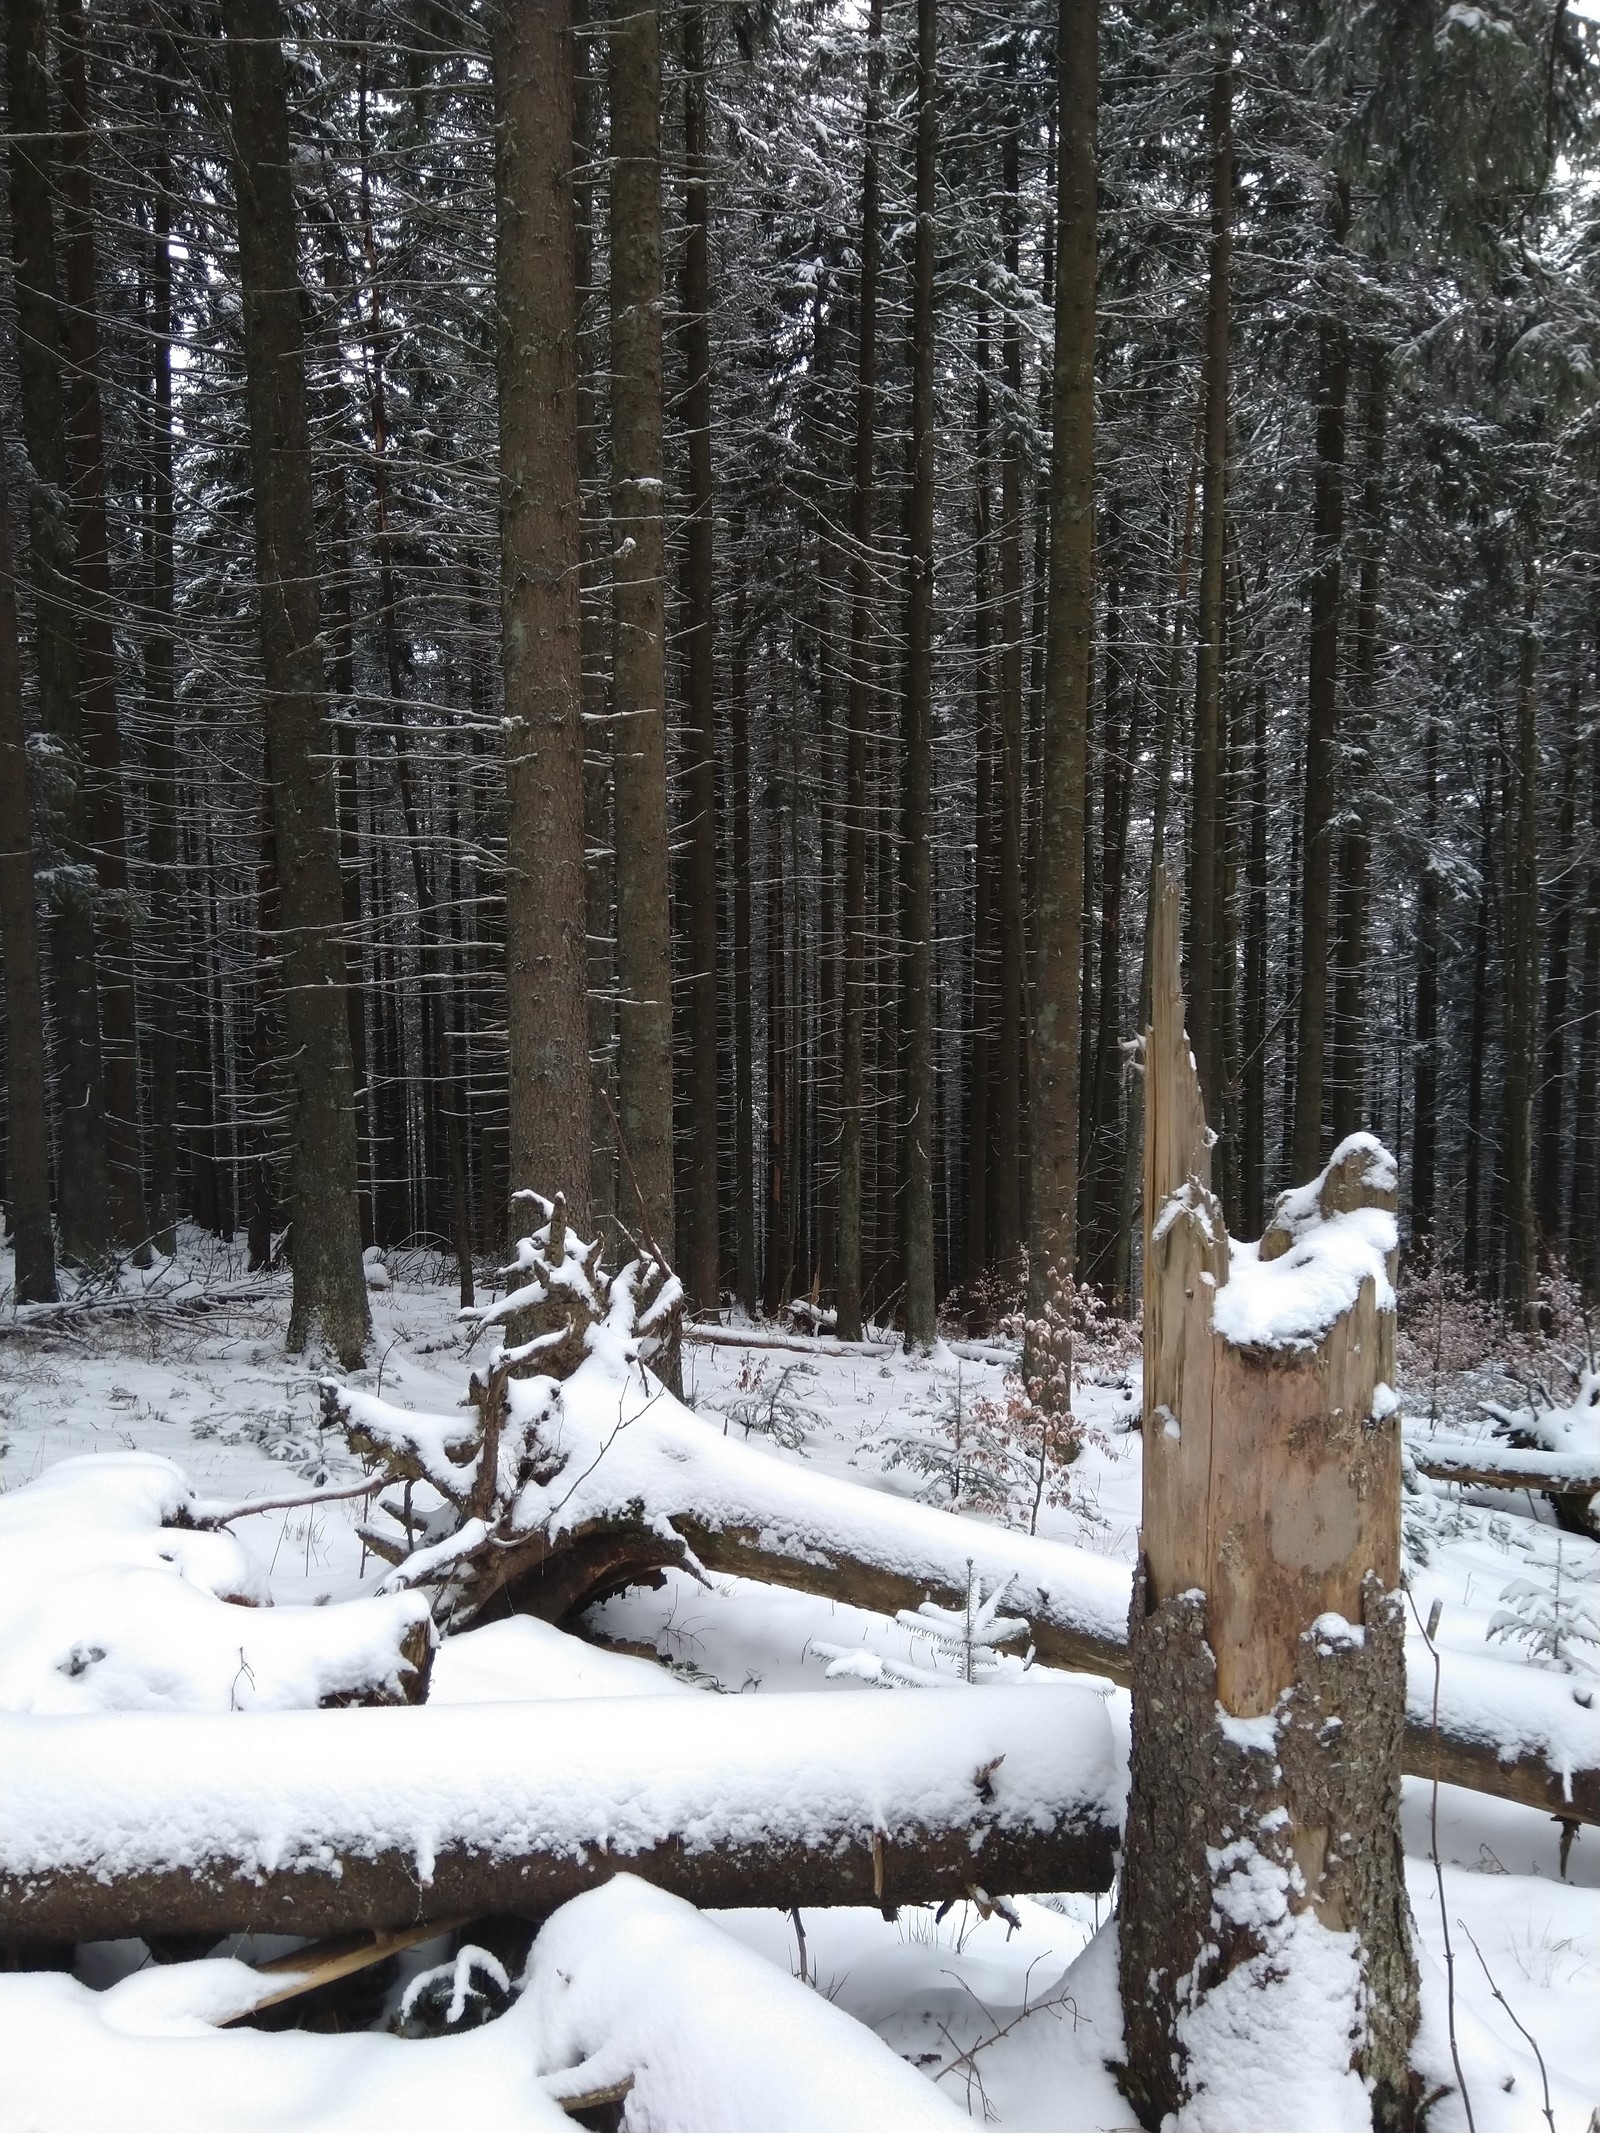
(1490, 1463)
(563, 1488)
(329, 1822)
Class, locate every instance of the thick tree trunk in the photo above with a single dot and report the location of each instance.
(83, 1204)
(1472, 1255)
(746, 1277)
(981, 1061)
(701, 1276)
(600, 851)
(1549, 1178)
(27, 1176)
(540, 635)
(1425, 1079)
(858, 714)
(97, 648)
(1259, 1632)
(1010, 906)
(1322, 722)
(330, 1294)
(1586, 1094)
(1058, 942)
(1347, 1048)
(644, 956)
(1522, 982)
(1208, 695)
(917, 1093)
(166, 1004)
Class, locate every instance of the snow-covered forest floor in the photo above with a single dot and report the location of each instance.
(214, 1392)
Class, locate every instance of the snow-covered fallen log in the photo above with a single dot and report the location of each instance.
(608, 1476)
(324, 1823)
(1489, 1463)
(112, 1600)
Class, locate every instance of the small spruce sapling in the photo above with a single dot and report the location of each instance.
(772, 1408)
(970, 1634)
(1550, 1619)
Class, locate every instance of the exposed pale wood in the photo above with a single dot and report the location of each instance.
(324, 1962)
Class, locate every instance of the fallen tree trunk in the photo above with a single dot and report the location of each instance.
(564, 1490)
(1487, 1464)
(318, 1823)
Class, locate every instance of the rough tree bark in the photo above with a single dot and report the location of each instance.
(644, 957)
(702, 1274)
(1058, 942)
(1322, 718)
(917, 1097)
(1208, 706)
(540, 634)
(857, 714)
(27, 1112)
(1012, 921)
(1263, 1880)
(330, 1292)
(1522, 983)
(83, 1205)
(97, 649)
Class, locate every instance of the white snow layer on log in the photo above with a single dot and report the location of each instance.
(265, 1794)
(628, 1980)
(624, 1982)
(625, 1444)
(105, 1608)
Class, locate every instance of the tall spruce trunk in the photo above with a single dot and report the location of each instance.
(1320, 810)
(644, 949)
(701, 1276)
(1347, 1046)
(1011, 912)
(540, 633)
(981, 1059)
(83, 1203)
(330, 1296)
(600, 853)
(1549, 1178)
(1253, 1135)
(858, 713)
(1425, 1077)
(27, 1174)
(97, 648)
(1586, 1093)
(916, 1204)
(1522, 980)
(746, 1275)
(167, 1008)
(1208, 693)
(1058, 942)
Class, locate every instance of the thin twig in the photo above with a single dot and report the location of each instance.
(209, 1521)
(1428, 1630)
(1533, 2042)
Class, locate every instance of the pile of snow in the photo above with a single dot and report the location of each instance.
(105, 1605)
(1309, 1267)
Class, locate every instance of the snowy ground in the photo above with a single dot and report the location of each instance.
(215, 1393)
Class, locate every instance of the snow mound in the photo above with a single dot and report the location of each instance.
(104, 1606)
(1318, 1250)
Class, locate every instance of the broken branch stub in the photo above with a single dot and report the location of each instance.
(1266, 1640)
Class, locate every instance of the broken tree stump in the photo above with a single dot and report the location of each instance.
(1263, 1921)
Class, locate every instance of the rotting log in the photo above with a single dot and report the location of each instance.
(1263, 1880)
(311, 1823)
(1491, 1465)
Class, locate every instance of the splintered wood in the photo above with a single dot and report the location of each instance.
(1262, 1862)
(1268, 1483)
